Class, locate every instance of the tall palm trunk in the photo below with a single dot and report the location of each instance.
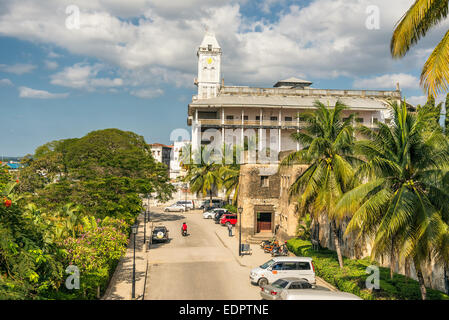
(392, 257)
(210, 197)
(337, 243)
(422, 286)
(446, 279)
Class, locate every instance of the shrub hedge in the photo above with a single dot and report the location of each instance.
(353, 275)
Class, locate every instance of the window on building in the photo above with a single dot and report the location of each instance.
(375, 120)
(288, 119)
(359, 120)
(273, 118)
(229, 117)
(209, 47)
(264, 181)
(245, 118)
(258, 118)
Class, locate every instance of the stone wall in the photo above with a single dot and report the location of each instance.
(254, 196)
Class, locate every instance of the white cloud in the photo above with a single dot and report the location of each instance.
(389, 81)
(25, 92)
(19, 68)
(147, 93)
(51, 64)
(415, 100)
(5, 82)
(84, 76)
(320, 39)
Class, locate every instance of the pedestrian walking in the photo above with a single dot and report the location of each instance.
(230, 229)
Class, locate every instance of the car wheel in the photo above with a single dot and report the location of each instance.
(262, 282)
(166, 210)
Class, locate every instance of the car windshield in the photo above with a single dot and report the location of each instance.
(159, 229)
(267, 264)
(280, 284)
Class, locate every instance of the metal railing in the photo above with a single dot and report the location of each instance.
(266, 123)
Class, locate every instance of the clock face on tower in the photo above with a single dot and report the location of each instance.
(208, 62)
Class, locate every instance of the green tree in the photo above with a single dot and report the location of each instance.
(402, 203)
(103, 172)
(422, 16)
(327, 147)
(203, 171)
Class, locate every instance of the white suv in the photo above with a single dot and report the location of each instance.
(284, 267)
(188, 204)
(211, 213)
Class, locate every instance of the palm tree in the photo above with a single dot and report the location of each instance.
(416, 22)
(400, 205)
(230, 176)
(203, 173)
(327, 142)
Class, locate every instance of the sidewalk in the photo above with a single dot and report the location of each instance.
(257, 257)
(120, 286)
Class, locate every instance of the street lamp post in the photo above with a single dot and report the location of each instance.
(145, 227)
(240, 209)
(134, 231)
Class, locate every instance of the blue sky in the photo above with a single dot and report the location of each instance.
(130, 65)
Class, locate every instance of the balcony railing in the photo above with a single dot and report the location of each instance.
(264, 123)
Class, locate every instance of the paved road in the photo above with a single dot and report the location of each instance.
(196, 267)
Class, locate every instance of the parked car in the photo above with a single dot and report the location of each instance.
(159, 233)
(228, 218)
(219, 214)
(313, 294)
(211, 213)
(188, 204)
(284, 267)
(175, 207)
(273, 291)
(216, 203)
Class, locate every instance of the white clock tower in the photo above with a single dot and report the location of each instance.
(209, 67)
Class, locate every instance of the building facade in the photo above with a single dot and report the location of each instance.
(269, 115)
(176, 170)
(161, 153)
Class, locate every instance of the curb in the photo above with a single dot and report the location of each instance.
(233, 254)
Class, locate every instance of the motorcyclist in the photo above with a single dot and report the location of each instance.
(184, 227)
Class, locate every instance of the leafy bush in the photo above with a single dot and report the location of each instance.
(96, 253)
(231, 208)
(353, 276)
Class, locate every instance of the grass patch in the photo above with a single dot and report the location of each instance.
(353, 275)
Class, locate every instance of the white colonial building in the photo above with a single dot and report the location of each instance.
(270, 113)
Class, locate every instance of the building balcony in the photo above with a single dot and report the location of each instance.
(261, 124)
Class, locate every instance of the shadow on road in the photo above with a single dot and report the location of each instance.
(157, 217)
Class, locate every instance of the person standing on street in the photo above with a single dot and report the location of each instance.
(230, 229)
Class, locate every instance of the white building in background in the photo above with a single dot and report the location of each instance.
(161, 153)
(271, 113)
(176, 171)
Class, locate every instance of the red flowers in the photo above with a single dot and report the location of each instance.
(7, 203)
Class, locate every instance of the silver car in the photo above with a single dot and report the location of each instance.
(273, 291)
(211, 213)
(313, 294)
(175, 207)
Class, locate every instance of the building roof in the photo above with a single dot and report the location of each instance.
(209, 38)
(358, 103)
(13, 165)
(292, 83)
(159, 145)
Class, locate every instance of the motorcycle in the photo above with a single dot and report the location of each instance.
(280, 251)
(270, 247)
(266, 242)
(184, 232)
